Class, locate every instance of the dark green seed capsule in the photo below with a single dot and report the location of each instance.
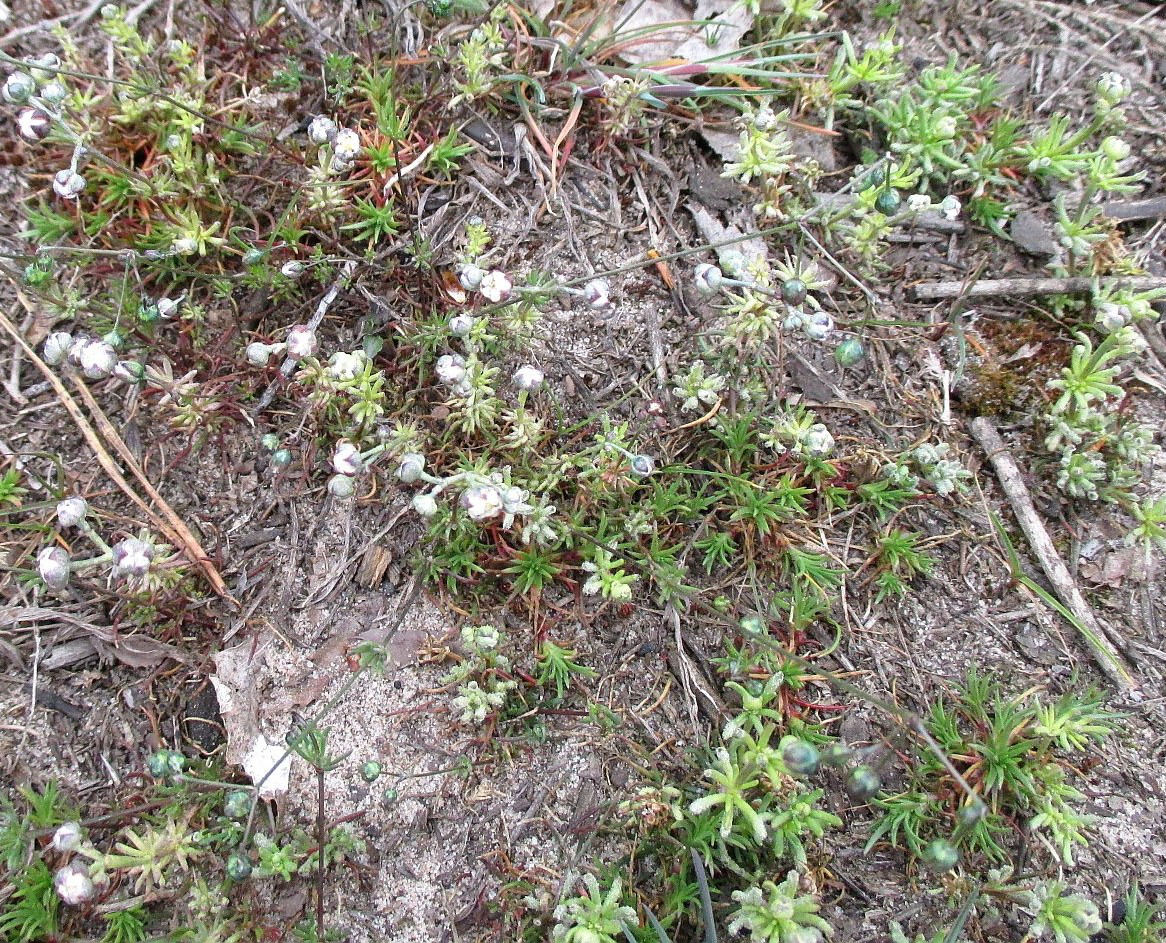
(158, 764)
(941, 855)
(370, 772)
(849, 352)
(175, 762)
(238, 868)
(876, 178)
(794, 291)
(888, 202)
(801, 758)
(389, 796)
(863, 782)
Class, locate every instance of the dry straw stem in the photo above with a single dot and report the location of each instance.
(1011, 480)
(169, 522)
(1031, 287)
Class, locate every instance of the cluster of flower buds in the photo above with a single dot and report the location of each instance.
(95, 357)
(37, 87)
(130, 559)
(301, 342)
(344, 142)
(949, 207)
(494, 285)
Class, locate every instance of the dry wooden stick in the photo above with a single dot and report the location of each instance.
(169, 523)
(1011, 480)
(1031, 287)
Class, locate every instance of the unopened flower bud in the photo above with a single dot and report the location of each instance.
(794, 291)
(451, 369)
(346, 459)
(460, 325)
(98, 358)
(18, 88)
(370, 772)
(950, 207)
(184, 245)
(168, 307)
(52, 565)
(1115, 148)
(941, 855)
(301, 341)
(346, 144)
(344, 366)
(72, 511)
(496, 286)
(1112, 87)
(238, 867)
(44, 67)
(642, 465)
(424, 505)
(54, 93)
(33, 124)
(800, 757)
(73, 885)
(132, 557)
(470, 276)
(341, 486)
(708, 279)
(818, 326)
(68, 184)
(57, 347)
(818, 441)
(321, 130)
(67, 837)
(258, 354)
(411, 468)
(863, 782)
(528, 378)
(945, 127)
(292, 269)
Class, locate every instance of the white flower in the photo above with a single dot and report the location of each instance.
(33, 124)
(597, 294)
(817, 441)
(496, 286)
(18, 88)
(321, 129)
(424, 505)
(73, 885)
(950, 207)
(451, 369)
(68, 184)
(343, 366)
(131, 557)
(341, 486)
(72, 511)
(258, 353)
(460, 325)
(708, 279)
(818, 326)
(98, 359)
(292, 269)
(57, 347)
(185, 245)
(52, 565)
(528, 378)
(411, 467)
(470, 276)
(301, 341)
(918, 202)
(945, 127)
(67, 837)
(346, 458)
(482, 502)
(346, 145)
(514, 503)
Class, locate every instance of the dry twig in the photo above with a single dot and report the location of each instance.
(1031, 287)
(1011, 480)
